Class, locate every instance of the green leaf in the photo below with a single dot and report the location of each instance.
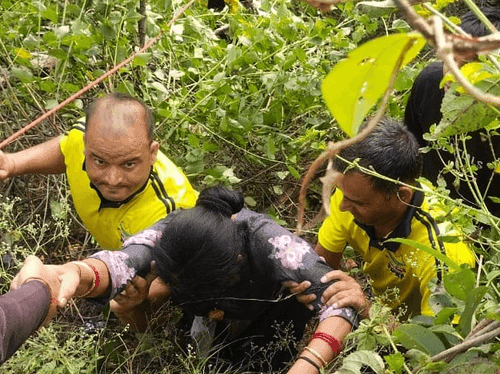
(354, 85)
(141, 59)
(48, 86)
(160, 87)
(293, 172)
(441, 257)
(108, 32)
(50, 104)
(473, 299)
(450, 238)
(444, 315)
(250, 201)
(271, 148)
(355, 361)
(61, 54)
(418, 337)
(24, 75)
(396, 361)
(193, 141)
(210, 147)
(459, 283)
(50, 14)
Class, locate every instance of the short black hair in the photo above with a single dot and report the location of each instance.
(390, 149)
(473, 26)
(123, 98)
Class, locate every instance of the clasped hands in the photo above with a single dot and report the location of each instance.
(346, 292)
(62, 281)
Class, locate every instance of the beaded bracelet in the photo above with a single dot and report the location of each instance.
(307, 359)
(95, 281)
(329, 339)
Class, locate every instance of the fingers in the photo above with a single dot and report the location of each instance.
(51, 313)
(306, 300)
(32, 268)
(295, 287)
(152, 274)
(334, 275)
(69, 283)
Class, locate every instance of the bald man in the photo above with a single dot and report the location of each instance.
(120, 182)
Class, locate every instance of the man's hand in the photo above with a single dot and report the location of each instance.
(6, 166)
(134, 294)
(298, 290)
(60, 280)
(345, 292)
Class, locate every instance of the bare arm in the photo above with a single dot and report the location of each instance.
(331, 258)
(338, 328)
(74, 279)
(45, 158)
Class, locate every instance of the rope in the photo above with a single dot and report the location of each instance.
(44, 116)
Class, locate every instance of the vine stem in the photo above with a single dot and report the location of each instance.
(92, 84)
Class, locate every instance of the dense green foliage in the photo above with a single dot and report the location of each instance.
(237, 100)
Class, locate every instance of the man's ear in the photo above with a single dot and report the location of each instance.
(153, 149)
(405, 194)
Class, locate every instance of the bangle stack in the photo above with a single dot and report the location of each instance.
(327, 338)
(96, 278)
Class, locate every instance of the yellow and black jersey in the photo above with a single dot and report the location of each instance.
(109, 222)
(399, 273)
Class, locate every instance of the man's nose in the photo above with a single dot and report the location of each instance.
(113, 176)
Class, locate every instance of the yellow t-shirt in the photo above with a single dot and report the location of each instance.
(110, 223)
(395, 267)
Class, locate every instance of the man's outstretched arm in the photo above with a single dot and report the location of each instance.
(45, 158)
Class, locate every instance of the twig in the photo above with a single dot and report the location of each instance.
(141, 25)
(462, 347)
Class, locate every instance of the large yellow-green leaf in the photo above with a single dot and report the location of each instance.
(355, 84)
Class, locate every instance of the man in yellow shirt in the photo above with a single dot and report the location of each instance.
(366, 211)
(120, 182)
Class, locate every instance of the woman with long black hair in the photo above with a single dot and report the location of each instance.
(224, 263)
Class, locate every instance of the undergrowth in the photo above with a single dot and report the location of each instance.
(240, 107)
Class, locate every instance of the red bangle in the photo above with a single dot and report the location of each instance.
(97, 278)
(329, 339)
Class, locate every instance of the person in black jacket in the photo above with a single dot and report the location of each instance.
(424, 109)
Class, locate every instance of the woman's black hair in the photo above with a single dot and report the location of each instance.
(201, 250)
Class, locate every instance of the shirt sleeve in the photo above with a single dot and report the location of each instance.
(134, 259)
(332, 235)
(424, 103)
(294, 259)
(21, 313)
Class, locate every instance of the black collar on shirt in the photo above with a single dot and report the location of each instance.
(401, 231)
(105, 203)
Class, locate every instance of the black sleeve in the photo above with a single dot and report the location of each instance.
(294, 259)
(21, 313)
(424, 104)
(134, 259)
